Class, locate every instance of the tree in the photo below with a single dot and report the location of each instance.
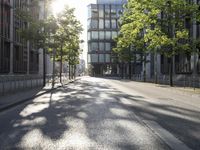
(68, 36)
(60, 36)
(166, 26)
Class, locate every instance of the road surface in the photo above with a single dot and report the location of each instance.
(95, 113)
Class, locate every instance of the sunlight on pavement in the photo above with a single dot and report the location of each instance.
(120, 112)
(39, 105)
(31, 122)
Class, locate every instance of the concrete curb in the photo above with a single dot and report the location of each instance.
(11, 105)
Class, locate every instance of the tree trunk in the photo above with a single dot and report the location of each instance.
(145, 66)
(122, 69)
(74, 71)
(61, 64)
(130, 70)
(156, 69)
(171, 72)
(44, 67)
(69, 72)
(53, 76)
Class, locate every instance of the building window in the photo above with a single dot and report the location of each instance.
(101, 11)
(107, 35)
(94, 58)
(93, 46)
(89, 11)
(107, 11)
(107, 58)
(107, 24)
(101, 24)
(114, 23)
(183, 63)
(107, 46)
(89, 58)
(4, 56)
(94, 11)
(89, 35)
(94, 24)
(165, 63)
(94, 35)
(89, 23)
(114, 34)
(101, 35)
(119, 11)
(113, 11)
(101, 46)
(101, 58)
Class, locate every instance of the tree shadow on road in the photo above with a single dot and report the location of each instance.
(98, 110)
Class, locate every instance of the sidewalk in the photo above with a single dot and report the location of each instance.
(15, 99)
(189, 91)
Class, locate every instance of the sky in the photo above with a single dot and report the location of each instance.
(81, 14)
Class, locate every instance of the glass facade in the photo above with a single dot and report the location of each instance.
(101, 24)
(102, 29)
(95, 35)
(101, 35)
(107, 24)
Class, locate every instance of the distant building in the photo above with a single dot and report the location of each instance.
(103, 18)
(103, 27)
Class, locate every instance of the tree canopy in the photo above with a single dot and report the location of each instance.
(164, 24)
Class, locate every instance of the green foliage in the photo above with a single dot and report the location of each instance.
(158, 25)
(60, 33)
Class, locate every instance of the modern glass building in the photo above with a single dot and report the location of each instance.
(103, 18)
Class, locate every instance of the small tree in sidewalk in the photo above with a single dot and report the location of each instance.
(166, 24)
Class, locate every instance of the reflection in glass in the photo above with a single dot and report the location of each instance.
(101, 35)
(94, 24)
(89, 23)
(94, 11)
(108, 46)
(107, 58)
(108, 35)
(113, 11)
(89, 35)
(114, 34)
(94, 57)
(101, 23)
(89, 11)
(89, 58)
(107, 24)
(101, 58)
(101, 46)
(94, 35)
(119, 11)
(107, 11)
(101, 11)
(94, 46)
(114, 23)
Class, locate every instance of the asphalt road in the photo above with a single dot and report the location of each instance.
(95, 113)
